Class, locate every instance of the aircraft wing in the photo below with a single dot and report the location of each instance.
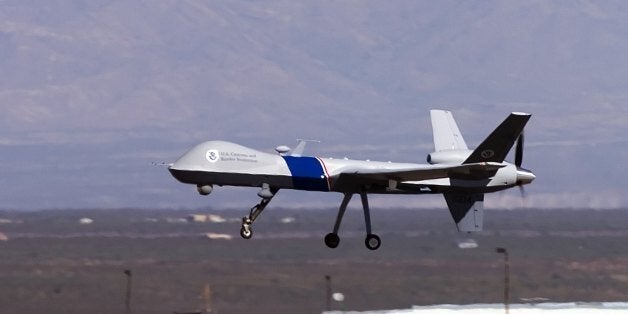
(424, 172)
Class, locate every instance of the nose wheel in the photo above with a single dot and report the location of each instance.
(246, 232)
(267, 193)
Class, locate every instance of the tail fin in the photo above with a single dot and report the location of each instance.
(467, 210)
(447, 136)
(497, 145)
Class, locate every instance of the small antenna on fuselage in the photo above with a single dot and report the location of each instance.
(298, 151)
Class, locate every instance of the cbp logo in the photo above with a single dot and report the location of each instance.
(212, 155)
(487, 153)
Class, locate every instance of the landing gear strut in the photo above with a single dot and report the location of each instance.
(372, 241)
(266, 194)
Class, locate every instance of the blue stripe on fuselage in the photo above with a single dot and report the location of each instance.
(307, 173)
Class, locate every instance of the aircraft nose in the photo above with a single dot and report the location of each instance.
(174, 166)
(524, 176)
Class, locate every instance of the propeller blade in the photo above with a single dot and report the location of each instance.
(519, 151)
(522, 190)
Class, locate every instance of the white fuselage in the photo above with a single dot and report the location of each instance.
(224, 163)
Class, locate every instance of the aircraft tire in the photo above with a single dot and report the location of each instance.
(332, 240)
(246, 233)
(372, 242)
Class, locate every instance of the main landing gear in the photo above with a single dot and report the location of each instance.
(266, 193)
(372, 241)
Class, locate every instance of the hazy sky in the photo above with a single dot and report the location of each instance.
(91, 92)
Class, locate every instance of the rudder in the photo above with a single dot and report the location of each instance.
(467, 210)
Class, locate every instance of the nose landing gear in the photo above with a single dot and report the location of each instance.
(267, 194)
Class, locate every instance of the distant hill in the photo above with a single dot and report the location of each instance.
(92, 92)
